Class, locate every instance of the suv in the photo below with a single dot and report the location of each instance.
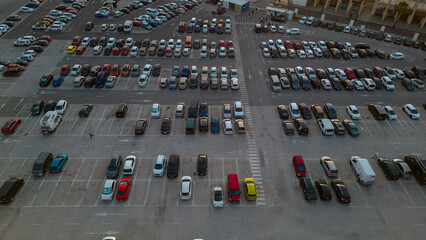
(9, 189)
(202, 161)
(390, 168)
(121, 110)
(308, 188)
(114, 166)
(329, 167)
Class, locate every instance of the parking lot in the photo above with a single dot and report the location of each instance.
(71, 202)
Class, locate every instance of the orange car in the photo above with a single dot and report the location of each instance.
(10, 126)
(125, 71)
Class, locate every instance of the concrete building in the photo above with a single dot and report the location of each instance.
(237, 5)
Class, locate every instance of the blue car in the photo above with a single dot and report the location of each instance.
(58, 163)
(32, 5)
(215, 126)
(212, 29)
(153, 23)
(146, 26)
(197, 28)
(101, 15)
(57, 81)
(185, 71)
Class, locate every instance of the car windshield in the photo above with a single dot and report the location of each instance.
(172, 167)
(36, 107)
(355, 111)
(112, 167)
(107, 191)
(59, 107)
(301, 168)
(218, 196)
(158, 166)
(414, 111)
(154, 110)
(234, 192)
(391, 112)
(353, 128)
(296, 111)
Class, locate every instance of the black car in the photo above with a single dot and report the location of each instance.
(165, 125)
(346, 54)
(14, 18)
(351, 127)
(93, 42)
(407, 42)
(114, 166)
(348, 85)
(380, 53)
(341, 191)
(369, 73)
(408, 84)
(202, 164)
(378, 82)
(288, 127)
(89, 82)
(321, 73)
(335, 53)
(120, 42)
(409, 74)
(9, 189)
(37, 108)
(45, 80)
(337, 83)
(282, 111)
(304, 109)
(50, 106)
(137, 43)
(301, 126)
(362, 53)
(317, 110)
(121, 110)
(323, 189)
(89, 26)
(370, 52)
(415, 45)
(306, 84)
(42, 43)
(102, 41)
(390, 168)
(85, 70)
(161, 50)
(107, 50)
(156, 70)
(330, 111)
(339, 129)
(316, 83)
(85, 110)
(36, 48)
(61, 7)
(308, 188)
(173, 166)
(359, 73)
(397, 41)
(420, 72)
(140, 126)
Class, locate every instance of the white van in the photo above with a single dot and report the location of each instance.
(152, 12)
(326, 126)
(275, 83)
(364, 172)
(128, 26)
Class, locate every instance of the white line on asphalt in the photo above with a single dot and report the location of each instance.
(88, 181)
(147, 189)
(4, 169)
(75, 121)
(366, 127)
(99, 123)
(72, 183)
(393, 194)
(407, 193)
(35, 195)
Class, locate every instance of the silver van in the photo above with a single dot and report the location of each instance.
(275, 83)
(326, 126)
(364, 171)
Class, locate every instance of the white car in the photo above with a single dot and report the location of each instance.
(271, 43)
(358, 84)
(353, 112)
(331, 73)
(104, 27)
(322, 45)
(309, 53)
(134, 51)
(396, 56)
(291, 53)
(97, 50)
(313, 44)
(411, 111)
(217, 196)
(300, 72)
(27, 10)
(303, 20)
(234, 73)
(108, 190)
(22, 43)
(294, 110)
(347, 45)
(61, 106)
(238, 110)
(185, 188)
(391, 113)
(222, 52)
(318, 52)
(155, 111)
(76, 69)
(178, 52)
(301, 53)
(387, 83)
(213, 72)
(224, 72)
(55, 13)
(305, 45)
(26, 57)
(111, 42)
(399, 73)
(369, 84)
(347, 29)
(266, 52)
(159, 166)
(234, 84)
(341, 74)
(129, 165)
(171, 43)
(279, 43)
(85, 41)
(326, 85)
(293, 31)
(147, 69)
(390, 73)
(29, 52)
(143, 80)
(129, 42)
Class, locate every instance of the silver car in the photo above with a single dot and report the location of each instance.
(108, 190)
(329, 167)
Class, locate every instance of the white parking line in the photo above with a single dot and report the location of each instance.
(35, 195)
(147, 189)
(393, 194)
(407, 193)
(88, 181)
(75, 177)
(4, 169)
(75, 121)
(99, 123)
(366, 127)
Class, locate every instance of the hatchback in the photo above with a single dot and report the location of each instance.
(186, 188)
(129, 165)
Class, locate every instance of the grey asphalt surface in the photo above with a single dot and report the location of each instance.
(69, 203)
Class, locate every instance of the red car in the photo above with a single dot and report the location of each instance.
(70, 9)
(116, 51)
(106, 68)
(136, 23)
(221, 43)
(123, 189)
(80, 50)
(14, 65)
(379, 72)
(10, 126)
(229, 44)
(125, 50)
(297, 46)
(65, 69)
(350, 73)
(299, 165)
(115, 70)
(47, 20)
(169, 52)
(47, 38)
(76, 41)
(288, 45)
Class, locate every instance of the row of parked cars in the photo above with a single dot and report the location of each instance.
(347, 78)
(57, 18)
(378, 35)
(327, 118)
(311, 49)
(392, 168)
(205, 26)
(10, 20)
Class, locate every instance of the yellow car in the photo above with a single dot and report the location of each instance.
(125, 71)
(250, 189)
(71, 49)
(43, 23)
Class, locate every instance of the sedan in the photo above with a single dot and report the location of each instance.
(282, 111)
(108, 190)
(165, 125)
(217, 196)
(341, 191)
(411, 111)
(58, 163)
(323, 189)
(10, 126)
(185, 188)
(129, 165)
(123, 189)
(353, 112)
(85, 110)
(351, 127)
(288, 127)
(326, 84)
